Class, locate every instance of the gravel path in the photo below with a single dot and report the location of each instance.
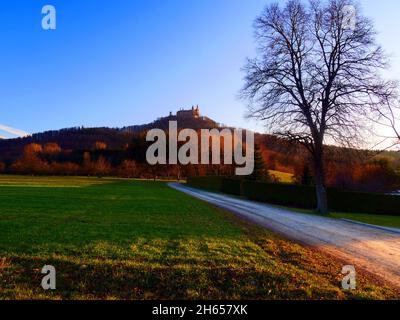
(374, 250)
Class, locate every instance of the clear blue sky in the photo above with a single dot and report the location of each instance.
(123, 62)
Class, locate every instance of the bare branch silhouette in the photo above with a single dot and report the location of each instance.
(315, 80)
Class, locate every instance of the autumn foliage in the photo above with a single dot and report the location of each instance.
(129, 161)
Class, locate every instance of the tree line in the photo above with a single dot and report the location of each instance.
(349, 170)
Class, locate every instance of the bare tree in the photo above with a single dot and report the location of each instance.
(389, 117)
(316, 77)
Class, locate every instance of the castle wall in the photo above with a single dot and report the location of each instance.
(194, 113)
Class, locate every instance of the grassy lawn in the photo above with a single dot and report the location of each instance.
(121, 239)
(374, 219)
(379, 220)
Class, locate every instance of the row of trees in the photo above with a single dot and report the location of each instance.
(50, 159)
(373, 176)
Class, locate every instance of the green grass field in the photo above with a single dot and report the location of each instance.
(121, 239)
(379, 220)
(374, 219)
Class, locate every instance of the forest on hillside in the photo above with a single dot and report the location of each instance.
(113, 152)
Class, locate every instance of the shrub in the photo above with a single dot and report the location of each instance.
(231, 186)
(283, 194)
(206, 183)
(217, 184)
(373, 203)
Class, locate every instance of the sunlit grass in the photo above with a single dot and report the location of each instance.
(33, 181)
(121, 239)
(283, 177)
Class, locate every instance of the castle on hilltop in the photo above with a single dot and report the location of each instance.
(193, 113)
(186, 118)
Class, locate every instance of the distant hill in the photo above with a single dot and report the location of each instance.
(80, 138)
(68, 139)
(119, 144)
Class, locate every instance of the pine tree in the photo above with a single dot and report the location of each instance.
(260, 172)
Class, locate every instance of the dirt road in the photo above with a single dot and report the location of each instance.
(374, 250)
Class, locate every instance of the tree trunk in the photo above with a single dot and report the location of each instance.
(322, 198)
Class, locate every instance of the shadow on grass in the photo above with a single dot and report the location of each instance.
(260, 266)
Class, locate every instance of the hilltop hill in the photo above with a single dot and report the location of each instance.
(122, 152)
(185, 118)
(81, 139)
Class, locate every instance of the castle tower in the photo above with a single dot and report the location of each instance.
(196, 112)
(191, 113)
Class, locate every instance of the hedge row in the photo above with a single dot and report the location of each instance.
(374, 203)
(216, 184)
(206, 183)
(300, 196)
(283, 194)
